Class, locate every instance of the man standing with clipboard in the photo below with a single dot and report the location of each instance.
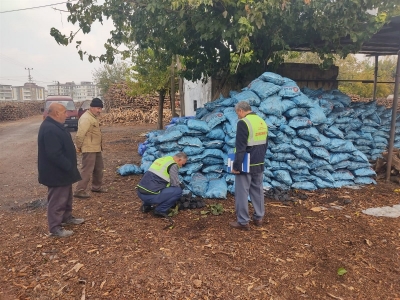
(251, 138)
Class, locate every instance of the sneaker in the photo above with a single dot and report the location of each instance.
(160, 214)
(61, 233)
(102, 190)
(81, 194)
(146, 208)
(73, 221)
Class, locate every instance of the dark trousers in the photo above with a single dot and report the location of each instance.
(166, 199)
(59, 206)
(92, 166)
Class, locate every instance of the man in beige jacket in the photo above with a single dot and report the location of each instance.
(88, 141)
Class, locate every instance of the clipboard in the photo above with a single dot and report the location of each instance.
(245, 163)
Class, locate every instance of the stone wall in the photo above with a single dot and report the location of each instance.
(15, 110)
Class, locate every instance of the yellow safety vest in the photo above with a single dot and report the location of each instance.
(258, 130)
(160, 167)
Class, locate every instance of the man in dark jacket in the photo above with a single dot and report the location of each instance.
(251, 138)
(57, 166)
(160, 185)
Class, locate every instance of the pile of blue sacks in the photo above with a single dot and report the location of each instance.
(317, 139)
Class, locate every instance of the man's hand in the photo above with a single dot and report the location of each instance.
(235, 172)
(182, 185)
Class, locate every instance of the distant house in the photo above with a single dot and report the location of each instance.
(28, 92)
(5, 92)
(86, 90)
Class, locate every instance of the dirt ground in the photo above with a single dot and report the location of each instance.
(121, 253)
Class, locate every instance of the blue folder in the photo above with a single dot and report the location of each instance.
(245, 163)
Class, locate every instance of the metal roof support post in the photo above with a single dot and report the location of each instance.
(394, 113)
(375, 76)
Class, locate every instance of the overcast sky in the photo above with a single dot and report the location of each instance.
(25, 42)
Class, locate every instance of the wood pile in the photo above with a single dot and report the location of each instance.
(117, 96)
(13, 110)
(124, 109)
(133, 116)
(380, 101)
(380, 166)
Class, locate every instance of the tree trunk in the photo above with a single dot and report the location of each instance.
(161, 97)
(172, 94)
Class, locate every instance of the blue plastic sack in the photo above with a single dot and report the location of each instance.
(214, 119)
(364, 180)
(316, 115)
(300, 122)
(199, 184)
(217, 188)
(333, 132)
(338, 157)
(214, 168)
(305, 185)
(214, 144)
(193, 150)
(283, 176)
(303, 154)
(342, 183)
(297, 164)
(248, 96)
(190, 168)
(340, 175)
(289, 91)
(169, 146)
(272, 77)
(320, 152)
(301, 143)
(296, 112)
(212, 161)
(190, 141)
(129, 169)
(198, 125)
(303, 101)
(283, 156)
(322, 184)
(263, 89)
(272, 106)
(287, 105)
(281, 148)
(364, 172)
(274, 121)
(309, 134)
(169, 136)
(323, 174)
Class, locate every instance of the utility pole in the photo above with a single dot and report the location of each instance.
(29, 72)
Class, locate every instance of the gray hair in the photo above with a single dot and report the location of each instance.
(181, 155)
(243, 105)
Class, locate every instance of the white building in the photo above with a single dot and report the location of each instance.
(5, 92)
(28, 92)
(79, 92)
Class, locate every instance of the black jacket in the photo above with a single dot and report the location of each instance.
(257, 153)
(57, 164)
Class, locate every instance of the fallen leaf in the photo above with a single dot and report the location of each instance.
(197, 283)
(102, 284)
(368, 242)
(39, 246)
(300, 289)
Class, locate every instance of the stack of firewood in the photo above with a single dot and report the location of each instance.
(122, 108)
(133, 116)
(380, 101)
(380, 166)
(117, 96)
(10, 110)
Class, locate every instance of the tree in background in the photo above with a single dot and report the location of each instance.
(225, 37)
(107, 75)
(151, 73)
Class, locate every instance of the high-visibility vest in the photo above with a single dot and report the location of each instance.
(258, 130)
(160, 167)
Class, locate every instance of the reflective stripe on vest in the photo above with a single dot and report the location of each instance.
(258, 130)
(160, 167)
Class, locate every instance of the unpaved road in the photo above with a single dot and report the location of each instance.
(18, 162)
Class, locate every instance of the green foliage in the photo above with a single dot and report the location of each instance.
(341, 271)
(173, 211)
(107, 75)
(216, 209)
(150, 72)
(227, 36)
